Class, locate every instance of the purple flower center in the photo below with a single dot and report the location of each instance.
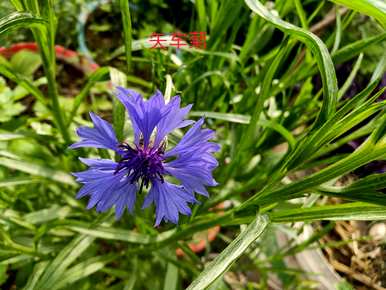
(141, 163)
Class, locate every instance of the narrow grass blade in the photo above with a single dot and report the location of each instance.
(229, 117)
(118, 78)
(348, 211)
(351, 77)
(24, 82)
(351, 50)
(17, 20)
(374, 8)
(323, 58)
(83, 270)
(171, 277)
(36, 274)
(55, 271)
(98, 75)
(111, 233)
(38, 170)
(126, 20)
(231, 253)
(46, 215)
(13, 181)
(200, 6)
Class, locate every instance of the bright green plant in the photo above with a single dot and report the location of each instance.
(256, 85)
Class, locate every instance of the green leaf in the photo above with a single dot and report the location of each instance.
(348, 211)
(351, 77)
(12, 181)
(226, 15)
(229, 117)
(111, 233)
(38, 170)
(20, 19)
(126, 20)
(171, 277)
(35, 275)
(3, 274)
(83, 270)
(371, 182)
(46, 215)
(98, 75)
(245, 119)
(25, 62)
(24, 82)
(374, 8)
(201, 13)
(118, 78)
(344, 285)
(231, 253)
(365, 189)
(55, 271)
(351, 50)
(11, 136)
(319, 49)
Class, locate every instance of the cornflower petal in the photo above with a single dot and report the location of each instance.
(169, 200)
(101, 136)
(174, 119)
(106, 188)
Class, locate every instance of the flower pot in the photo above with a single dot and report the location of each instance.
(67, 55)
(200, 240)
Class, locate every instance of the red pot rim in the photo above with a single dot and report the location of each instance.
(211, 235)
(69, 56)
(199, 246)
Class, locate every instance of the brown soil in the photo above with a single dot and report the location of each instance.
(357, 251)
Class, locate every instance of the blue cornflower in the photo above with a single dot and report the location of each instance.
(147, 162)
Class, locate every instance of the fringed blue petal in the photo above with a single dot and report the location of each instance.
(105, 187)
(101, 136)
(169, 200)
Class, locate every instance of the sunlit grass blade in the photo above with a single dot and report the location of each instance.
(24, 82)
(55, 271)
(375, 8)
(350, 78)
(171, 277)
(17, 20)
(83, 270)
(13, 181)
(47, 215)
(111, 233)
(200, 6)
(318, 48)
(351, 50)
(36, 274)
(98, 75)
(38, 170)
(348, 211)
(231, 253)
(228, 117)
(225, 16)
(118, 78)
(126, 20)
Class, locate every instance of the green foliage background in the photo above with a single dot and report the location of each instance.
(267, 78)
